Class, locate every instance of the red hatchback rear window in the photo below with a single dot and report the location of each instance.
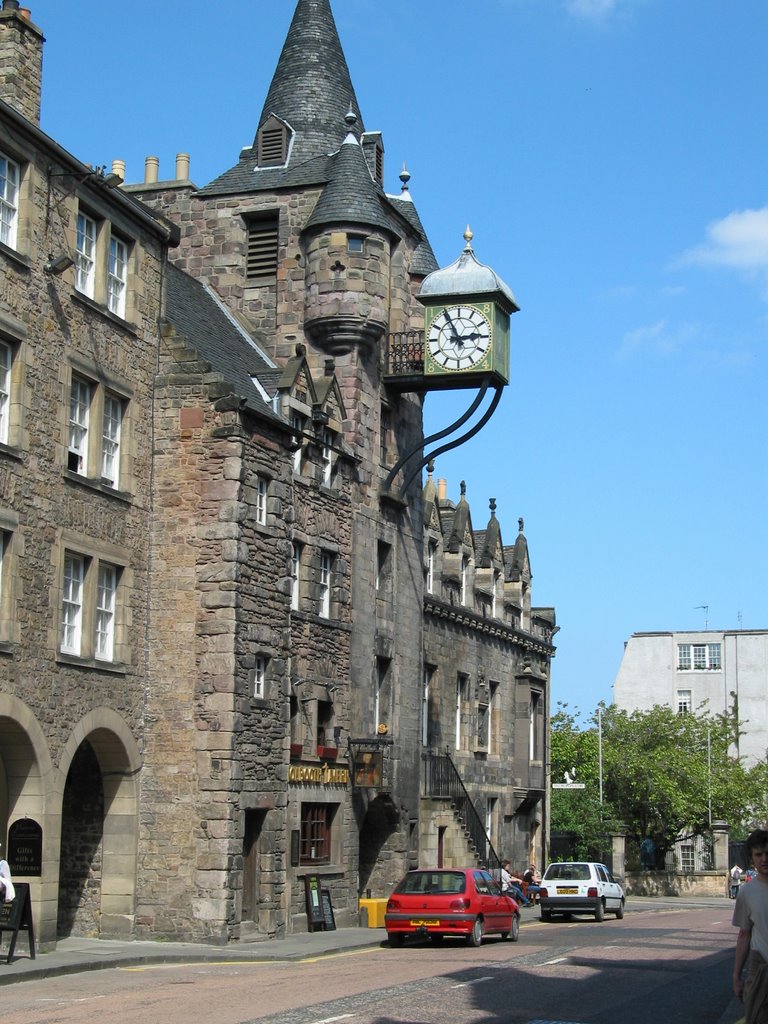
(433, 881)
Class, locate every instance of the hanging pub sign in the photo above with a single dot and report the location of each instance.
(25, 848)
(368, 768)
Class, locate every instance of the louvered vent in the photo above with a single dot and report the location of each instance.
(379, 157)
(273, 143)
(261, 261)
(272, 147)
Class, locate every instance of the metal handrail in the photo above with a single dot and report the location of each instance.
(442, 779)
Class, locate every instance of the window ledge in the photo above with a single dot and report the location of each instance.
(16, 257)
(97, 485)
(6, 647)
(260, 703)
(320, 620)
(11, 451)
(97, 307)
(310, 868)
(117, 668)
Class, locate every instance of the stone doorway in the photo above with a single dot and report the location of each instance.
(252, 835)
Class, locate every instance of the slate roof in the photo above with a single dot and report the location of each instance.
(311, 88)
(352, 196)
(203, 321)
(312, 92)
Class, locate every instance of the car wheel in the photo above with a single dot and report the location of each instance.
(437, 940)
(396, 939)
(620, 911)
(600, 911)
(514, 933)
(475, 937)
(546, 915)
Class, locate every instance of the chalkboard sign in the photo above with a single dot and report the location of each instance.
(17, 917)
(329, 921)
(314, 903)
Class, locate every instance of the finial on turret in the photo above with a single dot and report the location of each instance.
(463, 488)
(468, 236)
(430, 467)
(350, 120)
(521, 524)
(492, 504)
(405, 177)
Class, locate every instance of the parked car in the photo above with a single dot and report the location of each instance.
(580, 887)
(467, 902)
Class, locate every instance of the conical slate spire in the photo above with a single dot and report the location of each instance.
(351, 195)
(311, 89)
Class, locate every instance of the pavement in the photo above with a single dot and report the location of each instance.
(73, 955)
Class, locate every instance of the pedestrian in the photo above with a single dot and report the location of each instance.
(532, 880)
(750, 916)
(735, 880)
(511, 885)
(7, 892)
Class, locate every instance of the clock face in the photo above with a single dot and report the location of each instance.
(459, 338)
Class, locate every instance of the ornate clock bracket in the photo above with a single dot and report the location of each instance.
(499, 387)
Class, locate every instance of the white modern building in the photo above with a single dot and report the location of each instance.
(687, 670)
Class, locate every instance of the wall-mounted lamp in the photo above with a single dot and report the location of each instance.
(58, 264)
(110, 180)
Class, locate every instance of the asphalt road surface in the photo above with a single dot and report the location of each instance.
(662, 965)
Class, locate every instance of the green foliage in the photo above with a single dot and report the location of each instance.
(665, 776)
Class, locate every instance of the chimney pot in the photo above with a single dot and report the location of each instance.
(151, 166)
(182, 167)
(442, 488)
(118, 167)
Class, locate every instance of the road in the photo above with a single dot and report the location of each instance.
(655, 965)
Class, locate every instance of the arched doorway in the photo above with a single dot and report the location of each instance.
(99, 830)
(81, 854)
(379, 833)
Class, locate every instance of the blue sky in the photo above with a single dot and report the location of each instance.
(611, 159)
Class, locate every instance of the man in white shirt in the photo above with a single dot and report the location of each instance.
(750, 916)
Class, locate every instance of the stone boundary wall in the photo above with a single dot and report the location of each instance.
(667, 883)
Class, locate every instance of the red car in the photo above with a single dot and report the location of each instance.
(450, 901)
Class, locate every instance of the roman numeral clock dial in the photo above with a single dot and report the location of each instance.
(459, 338)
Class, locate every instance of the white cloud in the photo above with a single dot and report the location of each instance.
(738, 240)
(657, 339)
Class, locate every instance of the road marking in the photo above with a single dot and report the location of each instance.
(475, 981)
(246, 963)
(557, 960)
(330, 1020)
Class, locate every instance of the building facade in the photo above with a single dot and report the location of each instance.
(720, 671)
(233, 656)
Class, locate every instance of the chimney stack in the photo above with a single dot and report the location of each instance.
(442, 489)
(21, 61)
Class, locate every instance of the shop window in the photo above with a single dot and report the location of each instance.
(315, 835)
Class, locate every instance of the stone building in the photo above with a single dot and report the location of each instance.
(485, 697)
(80, 270)
(233, 656)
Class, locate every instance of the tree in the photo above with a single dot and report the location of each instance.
(665, 776)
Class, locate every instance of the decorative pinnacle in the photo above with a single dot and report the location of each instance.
(468, 236)
(463, 488)
(521, 524)
(492, 504)
(431, 467)
(405, 177)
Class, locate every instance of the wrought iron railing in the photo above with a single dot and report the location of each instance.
(442, 779)
(405, 353)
